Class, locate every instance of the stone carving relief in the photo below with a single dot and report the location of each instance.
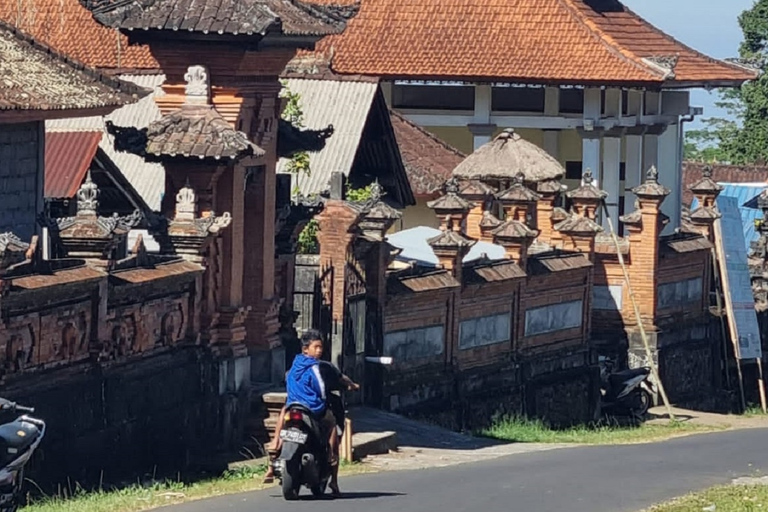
(88, 197)
(121, 340)
(19, 350)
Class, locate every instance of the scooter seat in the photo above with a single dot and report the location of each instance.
(631, 373)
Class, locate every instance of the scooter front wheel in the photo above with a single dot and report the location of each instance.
(644, 402)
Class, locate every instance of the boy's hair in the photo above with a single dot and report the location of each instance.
(309, 336)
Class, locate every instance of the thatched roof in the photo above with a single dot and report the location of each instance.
(507, 155)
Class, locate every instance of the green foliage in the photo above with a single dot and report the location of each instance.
(359, 195)
(307, 242)
(294, 114)
(745, 140)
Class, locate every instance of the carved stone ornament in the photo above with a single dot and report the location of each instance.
(653, 174)
(88, 197)
(198, 86)
(186, 204)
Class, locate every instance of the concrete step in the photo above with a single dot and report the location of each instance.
(365, 444)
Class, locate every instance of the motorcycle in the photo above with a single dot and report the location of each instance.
(18, 441)
(304, 458)
(626, 392)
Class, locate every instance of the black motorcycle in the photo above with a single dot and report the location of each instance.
(626, 392)
(19, 438)
(304, 458)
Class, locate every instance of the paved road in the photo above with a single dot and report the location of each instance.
(583, 479)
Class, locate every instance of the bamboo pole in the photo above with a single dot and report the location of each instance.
(761, 384)
(639, 319)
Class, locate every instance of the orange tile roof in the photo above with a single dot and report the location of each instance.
(533, 41)
(69, 28)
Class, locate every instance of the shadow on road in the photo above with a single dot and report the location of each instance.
(346, 496)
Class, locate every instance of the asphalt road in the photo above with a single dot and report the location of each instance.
(583, 479)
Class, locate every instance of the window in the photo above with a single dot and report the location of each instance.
(607, 298)
(571, 101)
(411, 344)
(517, 99)
(557, 317)
(680, 294)
(573, 170)
(436, 97)
(484, 330)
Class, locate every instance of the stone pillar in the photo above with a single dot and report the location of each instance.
(481, 196)
(451, 208)
(704, 216)
(548, 193)
(644, 227)
(590, 143)
(481, 127)
(610, 182)
(335, 236)
(516, 238)
(519, 201)
(634, 165)
(450, 247)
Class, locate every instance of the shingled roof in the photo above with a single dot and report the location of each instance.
(53, 23)
(217, 17)
(35, 78)
(428, 160)
(526, 41)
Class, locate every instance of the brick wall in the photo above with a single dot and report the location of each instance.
(21, 174)
(106, 359)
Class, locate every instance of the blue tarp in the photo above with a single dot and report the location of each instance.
(743, 193)
(414, 244)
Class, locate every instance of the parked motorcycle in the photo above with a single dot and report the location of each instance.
(304, 458)
(19, 439)
(626, 392)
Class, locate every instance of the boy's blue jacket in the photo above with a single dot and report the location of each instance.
(304, 384)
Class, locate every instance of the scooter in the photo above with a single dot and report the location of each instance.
(304, 456)
(19, 439)
(626, 392)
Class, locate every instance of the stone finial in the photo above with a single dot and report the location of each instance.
(707, 172)
(88, 197)
(651, 188)
(652, 175)
(198, 88)
(452, 186)
(519, 178)
(186, 204)
(377, 191)
(587, 177)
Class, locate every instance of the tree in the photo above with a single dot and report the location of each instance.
(744, 140)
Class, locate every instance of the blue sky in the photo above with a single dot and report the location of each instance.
(709, 26)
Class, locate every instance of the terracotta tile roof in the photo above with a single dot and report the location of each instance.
(693, 172)
(232, 17)
(68, 156)
(37, 78)
(70, 28)
(428, 160)
(198, 131)
(528, 41)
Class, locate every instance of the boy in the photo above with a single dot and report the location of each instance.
(312, 383)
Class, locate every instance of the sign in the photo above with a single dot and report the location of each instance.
(737, 285)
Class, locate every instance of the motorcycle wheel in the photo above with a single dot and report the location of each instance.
(291, 483)
(644, 402)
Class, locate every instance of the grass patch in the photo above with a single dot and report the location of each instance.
(754, 411)
(523, 430)
(145, 497)
(731, 498)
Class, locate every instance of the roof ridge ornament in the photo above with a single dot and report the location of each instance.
(587, 177)
(88, 197)
(707, 172)
(452, 186)
(198, 88)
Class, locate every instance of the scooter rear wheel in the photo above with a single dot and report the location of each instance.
(291, 483)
